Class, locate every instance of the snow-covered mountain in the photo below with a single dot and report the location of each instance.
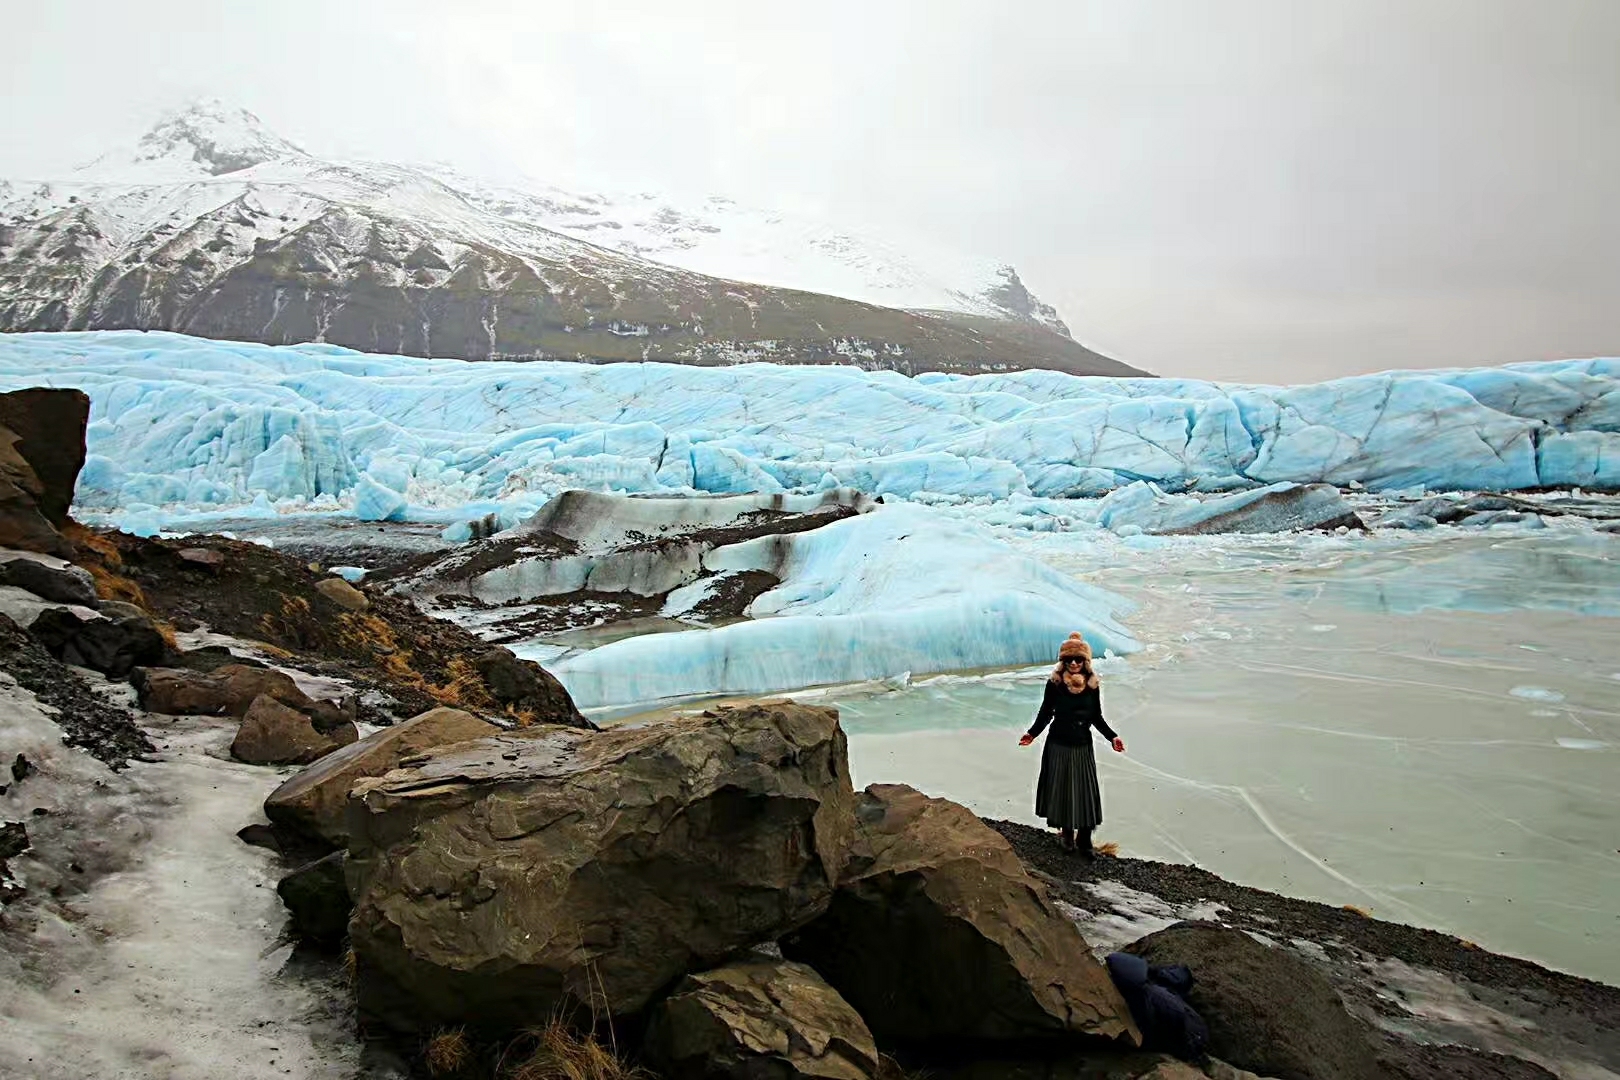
(212, 224)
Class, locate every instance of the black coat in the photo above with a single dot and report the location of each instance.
(1072, 716)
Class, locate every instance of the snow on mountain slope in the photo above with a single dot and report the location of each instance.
(211, 224)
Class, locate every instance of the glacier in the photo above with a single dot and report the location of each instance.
(184, 426)
(897, 590)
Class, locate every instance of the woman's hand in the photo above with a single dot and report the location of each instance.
(1119, 745)
(1025, 739)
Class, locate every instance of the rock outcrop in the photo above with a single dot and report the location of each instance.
(937, 932)
(1267, 1011)
(505, 879)
(317, 900)
(314, 803)
(41, 453)
(50, 579)
(277, 734)
(113, 645)
(760, 1018)
(228, 690)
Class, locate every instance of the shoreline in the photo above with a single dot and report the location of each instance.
(1432, 1001)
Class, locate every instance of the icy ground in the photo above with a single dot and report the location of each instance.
(164, 954)
(1426, 725)
(182, 426)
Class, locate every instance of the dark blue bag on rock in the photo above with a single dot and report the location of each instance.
(1155, 996)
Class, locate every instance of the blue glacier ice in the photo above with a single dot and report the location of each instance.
(899, 589)
(183, 424)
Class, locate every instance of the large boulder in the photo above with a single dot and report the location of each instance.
(937, 932)
(525, 686)
(49, 579)
(317, 900)
(22, 525)
(113, 646)
(49, 425)
(227, 690)
(313, 803)
(554, 869)
(760, 1019)
(1267, 1010)
(277, 734)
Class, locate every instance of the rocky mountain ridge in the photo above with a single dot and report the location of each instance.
(213, 225)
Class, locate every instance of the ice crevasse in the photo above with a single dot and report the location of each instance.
(182, 424)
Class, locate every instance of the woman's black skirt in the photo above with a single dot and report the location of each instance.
(1067, 795)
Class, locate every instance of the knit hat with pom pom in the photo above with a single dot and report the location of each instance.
(1074, 647)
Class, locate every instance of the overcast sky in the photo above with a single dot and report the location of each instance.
(1258, 189)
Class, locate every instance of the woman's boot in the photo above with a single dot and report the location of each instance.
(1083, 842)
(1066, 839)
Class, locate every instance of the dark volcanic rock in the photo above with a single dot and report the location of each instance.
(22, 525)
(318, 900)
(1268, 1011)
(88, 719)
(112, 646)
(525, 686)
(759, 1019)
(937, 932)
(50, 426)
(58, 584)
(499, 880)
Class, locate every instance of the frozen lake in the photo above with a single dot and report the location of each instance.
(1423, 724)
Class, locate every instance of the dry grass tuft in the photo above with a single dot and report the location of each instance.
(1465, 943)
(447, 1052)
(557, 1052)
(1109, 848)
(351, 966)
(1365, 913)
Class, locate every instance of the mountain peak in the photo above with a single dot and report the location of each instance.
(206, 137)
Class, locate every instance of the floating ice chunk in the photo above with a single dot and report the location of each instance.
(1582, 744)
(1537, 693)
(1145, 508)
(901, 589)
(351, 574)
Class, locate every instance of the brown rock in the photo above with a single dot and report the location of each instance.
(205, 557)
(1267, 1010)
(527, 687)
(342, 594)
(50, 426)
(762, 1018)
(277, 734)
(22, 524)
(225, 691)
(529, 872)
(937, 932)
(314, 802)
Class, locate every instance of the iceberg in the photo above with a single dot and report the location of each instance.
(899, 589)
(182, 424)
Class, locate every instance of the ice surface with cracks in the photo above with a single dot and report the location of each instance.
(183, 424)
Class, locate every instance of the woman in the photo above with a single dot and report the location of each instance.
(1067, 795)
